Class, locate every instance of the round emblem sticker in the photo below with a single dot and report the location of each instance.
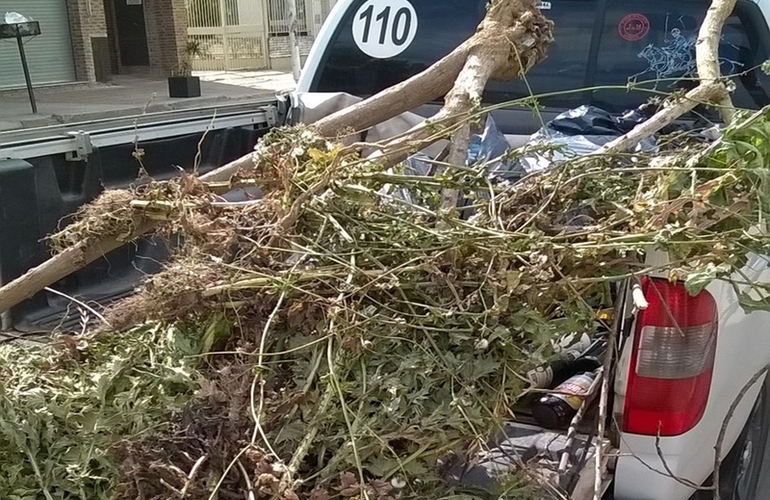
(384, 28)
(634, 27)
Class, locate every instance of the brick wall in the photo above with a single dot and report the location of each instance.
(166, 33)
(87, 20)
(166, 25)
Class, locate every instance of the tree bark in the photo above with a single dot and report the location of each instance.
(59, 267)
(707, 51)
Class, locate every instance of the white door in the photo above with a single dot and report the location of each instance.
(49, 55)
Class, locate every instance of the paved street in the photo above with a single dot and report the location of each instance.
(130, 95)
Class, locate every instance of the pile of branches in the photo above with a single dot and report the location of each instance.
(336, 338)
(349, 332)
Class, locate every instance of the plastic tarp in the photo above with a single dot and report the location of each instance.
(580, 131)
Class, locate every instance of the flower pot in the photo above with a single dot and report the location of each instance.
(184, 86)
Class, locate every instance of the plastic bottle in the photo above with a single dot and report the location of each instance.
(590, 359)
(560, 369)
(554, 411)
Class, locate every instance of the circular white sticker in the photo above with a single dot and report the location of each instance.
(384, 28)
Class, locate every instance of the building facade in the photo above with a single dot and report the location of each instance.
(252, 34)
(89, 40)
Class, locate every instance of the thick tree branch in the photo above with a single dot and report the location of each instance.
(59, 267)
(702, 94)
(707, 51)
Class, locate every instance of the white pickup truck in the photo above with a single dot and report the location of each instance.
(673, 386)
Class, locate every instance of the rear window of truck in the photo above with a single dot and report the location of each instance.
(636, 44)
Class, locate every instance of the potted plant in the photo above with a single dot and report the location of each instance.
(182, 83)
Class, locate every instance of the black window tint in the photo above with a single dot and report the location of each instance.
(654, 40)
(442, 26)
(445, 24)
(634, 38)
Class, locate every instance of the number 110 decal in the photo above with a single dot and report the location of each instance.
(384, 28)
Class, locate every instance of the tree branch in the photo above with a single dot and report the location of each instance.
(707, 51)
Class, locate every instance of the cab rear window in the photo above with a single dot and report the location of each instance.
(441, 26)
(636, 44)
(652, 45)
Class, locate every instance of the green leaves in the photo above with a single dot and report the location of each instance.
(697, 281)
(218, 330)
(404, 330)
(60, 417)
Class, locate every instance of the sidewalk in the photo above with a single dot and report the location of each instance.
(261, 80)
(130, 95)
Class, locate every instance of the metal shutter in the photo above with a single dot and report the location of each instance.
(49, 55)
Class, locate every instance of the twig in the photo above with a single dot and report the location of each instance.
(80, 303)
(572, 431)
(304, 447)
(170, 488)
(604, 397)
(139, 153)
(247, 479)
(726, 422)
(215, 491)
(680, 480)
(257, 413)
(198, 154)
(665, 474)
(191, 475)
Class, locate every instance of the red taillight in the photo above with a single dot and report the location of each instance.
(672, 361)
